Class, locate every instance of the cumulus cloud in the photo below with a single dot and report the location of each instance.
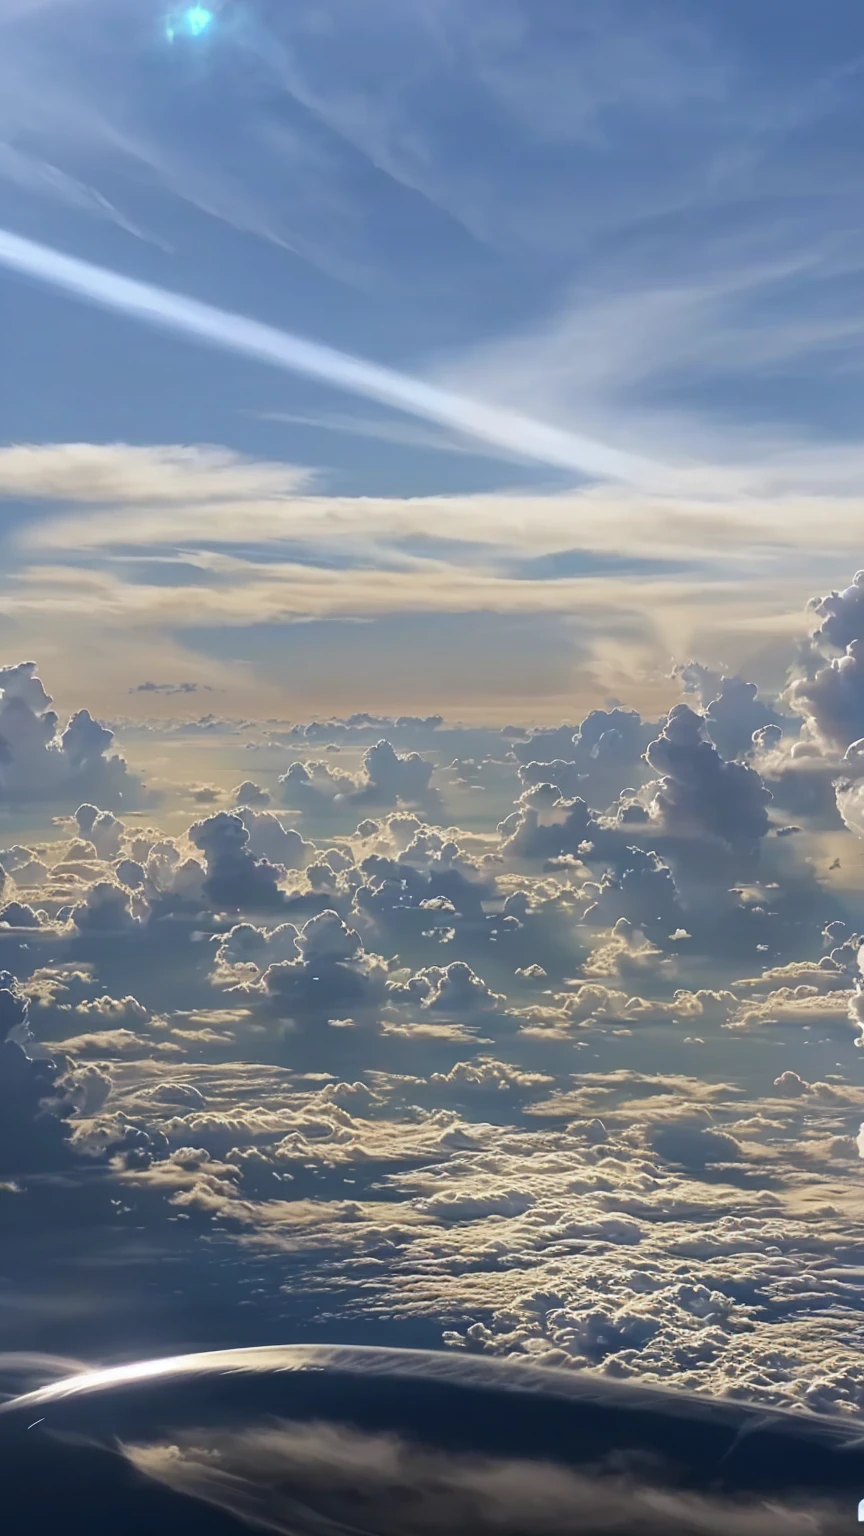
(700, 794)
(270, 839)
(37, 1099)
(251, 794)
(595, 760)
(841, 615)
(236, 879)
(833, 698)
(106, 908)
(461, 1075)
(387, 778)
(41, 762)
(827, 686)
(332, 977)
(245, 952)
(644, 893)
(735, 714)
(392, 777)
(453, 991)
(102, 828)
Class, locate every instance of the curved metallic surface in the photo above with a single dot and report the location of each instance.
(315, 1439)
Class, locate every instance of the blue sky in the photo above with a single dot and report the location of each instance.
(638, 222)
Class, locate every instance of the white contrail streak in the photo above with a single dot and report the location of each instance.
(235, 333)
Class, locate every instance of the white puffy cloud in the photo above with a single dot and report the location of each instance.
(250, 793)
(236, 879)
(41, 762)
(833, 698)
(270, 839)
(614, 1131)
(700, 794)
(332, 977)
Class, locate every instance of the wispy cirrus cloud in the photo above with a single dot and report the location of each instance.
(294, 354)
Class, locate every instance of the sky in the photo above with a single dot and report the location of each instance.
(432, 682)
(609, 252)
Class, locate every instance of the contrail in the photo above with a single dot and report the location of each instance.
(235, 333)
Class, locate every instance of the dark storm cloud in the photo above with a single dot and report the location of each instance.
(105, 909)
(699, 796)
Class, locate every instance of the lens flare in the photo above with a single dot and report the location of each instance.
(197, 20)
(189, 23)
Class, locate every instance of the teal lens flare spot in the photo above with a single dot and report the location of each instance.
(192, 22)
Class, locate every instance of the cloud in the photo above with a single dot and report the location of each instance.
(699, 793)
(251, 794)
(595, 760)
(236, 879)
(36, 1101)
(391, 778)
(269, 838)
(453, 991)
(106, 909)
(177, 475)
(841, 615)
(102, 828)
(734, 714)
(245, 949)
(387, 778)
(694, 1144)
(290, 1471)
(450, 1074)
(38, 761)
(827, 689)
(34, 174)
(644, 893)
(171, 688)
(233, 333)
(833, 699)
